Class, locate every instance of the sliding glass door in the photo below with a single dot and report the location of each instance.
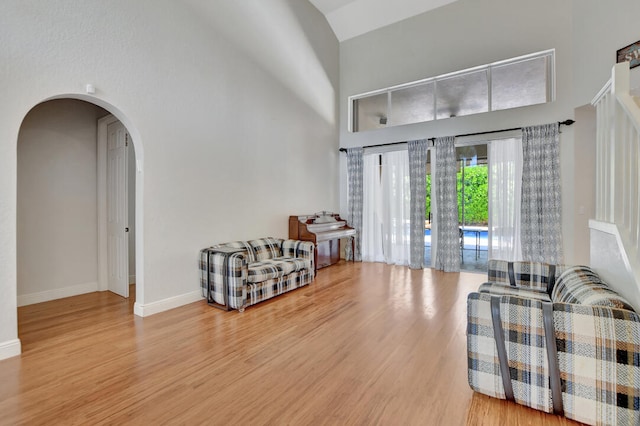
(505, 177)
(428, 219)
(473, 206)
(386, 208)
(488, 191)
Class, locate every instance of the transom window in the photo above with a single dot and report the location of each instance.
(516, 82)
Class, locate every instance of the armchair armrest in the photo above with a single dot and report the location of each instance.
(599, 359)
(523, 334)
(222, 268)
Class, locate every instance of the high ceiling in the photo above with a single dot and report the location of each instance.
(351, 18)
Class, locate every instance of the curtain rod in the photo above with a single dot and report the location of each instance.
(560, 123)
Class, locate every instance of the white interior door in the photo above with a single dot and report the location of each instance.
(117, 217)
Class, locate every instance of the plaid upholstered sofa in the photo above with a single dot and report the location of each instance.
(238, 274)
(556, 339)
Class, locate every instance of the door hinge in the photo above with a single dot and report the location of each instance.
(126, 139)
(126, 229)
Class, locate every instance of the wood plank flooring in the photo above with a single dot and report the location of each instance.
(364, 344)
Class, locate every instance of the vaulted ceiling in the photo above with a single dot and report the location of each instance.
(351, 18)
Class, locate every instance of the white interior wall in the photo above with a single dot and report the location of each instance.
(232, 107)
(584, 182)
(457, 36)
(586, 35)
(610, 260)
(211, 99)
(57, 215)
(599, 30)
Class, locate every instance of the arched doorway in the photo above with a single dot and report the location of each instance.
(59, 250)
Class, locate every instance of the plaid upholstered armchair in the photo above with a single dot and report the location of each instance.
(242, 273)
(556, 339)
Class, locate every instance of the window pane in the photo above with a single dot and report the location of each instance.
(519, 84)
(473, 206)
(412, 105)
(514, 83)
(371, 112)
(463, 95)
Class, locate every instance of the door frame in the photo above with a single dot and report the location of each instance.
(103, 276)
(140, 308)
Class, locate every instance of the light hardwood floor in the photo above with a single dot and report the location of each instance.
(363, 344)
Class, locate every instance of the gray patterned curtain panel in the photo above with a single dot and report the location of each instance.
(354, 194)
(417, 181)
(541, 209)
(447, 233)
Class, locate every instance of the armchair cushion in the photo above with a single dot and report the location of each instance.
(266, 248)
(295, 263)
(274, 268)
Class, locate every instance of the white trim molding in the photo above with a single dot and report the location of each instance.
(103, 123)
(58, 293)
(145, 310)
(612, 262)
(10, 348)
(102, 205)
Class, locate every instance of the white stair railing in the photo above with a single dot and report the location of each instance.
(617, 164)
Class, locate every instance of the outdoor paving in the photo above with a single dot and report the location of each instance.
(472, 259)
(468, 262)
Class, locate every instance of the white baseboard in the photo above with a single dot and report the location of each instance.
(58, 293)
(166, 304)
(132, 279)
(10, 349)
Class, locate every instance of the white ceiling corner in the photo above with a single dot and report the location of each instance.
(351, 18)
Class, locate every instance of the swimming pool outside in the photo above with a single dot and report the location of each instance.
(469, 239)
